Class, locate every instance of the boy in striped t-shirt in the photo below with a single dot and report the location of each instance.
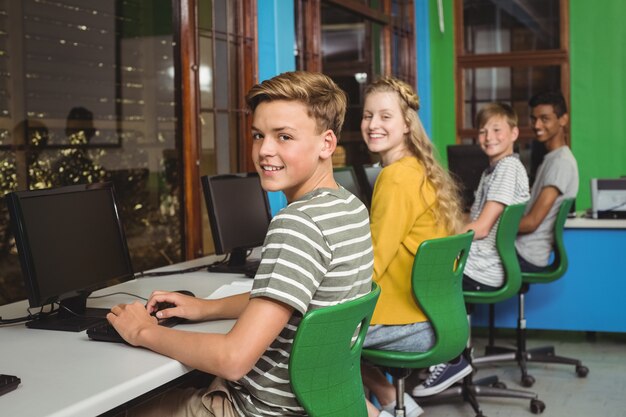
(317, 253)
(503, 183)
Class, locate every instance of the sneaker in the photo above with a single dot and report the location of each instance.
(442, 376)
(411, 407)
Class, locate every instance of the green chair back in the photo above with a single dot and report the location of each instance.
(505, 244)
(559, 264)
(325, 362)
(437, 286)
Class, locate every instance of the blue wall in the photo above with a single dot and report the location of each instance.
(277, 39)
(422, 35)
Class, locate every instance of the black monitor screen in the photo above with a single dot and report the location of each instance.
(70, 242)
(239, 213)
(346, 177)
(466, 164)
(371, 174)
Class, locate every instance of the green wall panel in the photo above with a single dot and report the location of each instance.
(598, 91)
(442, 78)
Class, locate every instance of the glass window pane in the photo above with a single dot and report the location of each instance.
(91, 98)
(222, 154)
(221, 73)
(221, 21)
(511, 85)
(205, 15)
(498, 26)
(206, 72)
(207, 125)
(343, 36)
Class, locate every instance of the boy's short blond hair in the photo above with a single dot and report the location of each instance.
(326, 102)
(496, 109)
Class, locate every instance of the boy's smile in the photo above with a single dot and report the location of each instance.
(548, 127)
(496, 138)
(288, 150)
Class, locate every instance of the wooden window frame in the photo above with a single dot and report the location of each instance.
(309, 19)
(541, 58)
(186, 23)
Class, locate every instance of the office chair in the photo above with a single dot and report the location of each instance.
(521, 354)
(325, 362)
(436, 281)
(469, 390)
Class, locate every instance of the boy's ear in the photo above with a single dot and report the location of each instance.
(563, 120)
(329, 144)
(515, 133)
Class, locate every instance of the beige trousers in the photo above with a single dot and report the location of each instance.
(189, 402)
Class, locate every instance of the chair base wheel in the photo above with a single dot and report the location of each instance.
(582, 371)
(537, 406)
(528, 381)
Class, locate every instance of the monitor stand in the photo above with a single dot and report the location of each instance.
(63, 320)
(237, 264)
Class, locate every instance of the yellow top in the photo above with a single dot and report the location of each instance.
(401, 219)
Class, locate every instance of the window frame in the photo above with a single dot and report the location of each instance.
(542, 58)
(189, 113)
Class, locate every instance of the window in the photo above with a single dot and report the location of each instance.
(508, 50)
(87, 94)
(110, 90)
(354, 42)
(226, 73)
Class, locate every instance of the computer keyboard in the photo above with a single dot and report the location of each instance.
(248, 269)
(8, 383)
(70, 323)
(107, 333)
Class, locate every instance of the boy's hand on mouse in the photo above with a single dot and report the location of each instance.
(185, 306)
(130, 319)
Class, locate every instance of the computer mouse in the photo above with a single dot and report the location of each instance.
(164, 305)
(186, 292)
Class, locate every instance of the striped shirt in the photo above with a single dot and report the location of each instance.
(505, 183)
(317, 253)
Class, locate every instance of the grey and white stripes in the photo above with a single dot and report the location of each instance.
(317, 253)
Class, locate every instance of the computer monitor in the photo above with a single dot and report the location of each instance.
(608, 198)
(70, 242)
(239, 215)
(466, 164)
(371, 174)
(346, 177)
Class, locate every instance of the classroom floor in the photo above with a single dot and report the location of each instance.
(601, 393)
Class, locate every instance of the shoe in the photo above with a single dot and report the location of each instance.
(442, 376)
(411, 407)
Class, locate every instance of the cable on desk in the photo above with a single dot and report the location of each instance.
(30, 316)
(93, 297)
(174, 272)
(15, 320)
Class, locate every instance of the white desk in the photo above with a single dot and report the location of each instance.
(584, 223)
(67, 374)
(590, 297)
